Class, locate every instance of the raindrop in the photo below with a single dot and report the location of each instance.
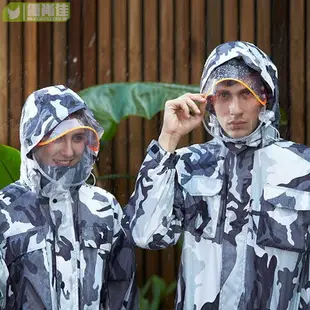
(92, 40)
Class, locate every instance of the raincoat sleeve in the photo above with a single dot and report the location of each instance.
(121, 273)
(3, 280)
(154, 213)
(305, 285)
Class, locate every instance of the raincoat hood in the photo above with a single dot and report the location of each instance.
(257, 60)
(44, 109)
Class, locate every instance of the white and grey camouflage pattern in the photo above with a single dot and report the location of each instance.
(4, 274)
(63, 246)
(244, 210)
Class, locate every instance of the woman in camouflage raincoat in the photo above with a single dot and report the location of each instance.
(241, 200)
(61, 241)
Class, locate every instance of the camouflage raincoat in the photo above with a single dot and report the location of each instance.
(61, 246)
(244, 209)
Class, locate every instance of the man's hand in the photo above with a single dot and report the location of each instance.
(181, 116)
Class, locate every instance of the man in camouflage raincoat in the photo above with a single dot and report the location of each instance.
(61, 241)
(242, 200)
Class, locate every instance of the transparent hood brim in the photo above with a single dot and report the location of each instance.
(256, 90)
(238, 71)
(69, 126)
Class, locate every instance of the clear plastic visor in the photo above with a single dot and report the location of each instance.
(220, 90)
(77, 131)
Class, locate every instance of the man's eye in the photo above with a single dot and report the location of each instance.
(222, 95)
(247, 93)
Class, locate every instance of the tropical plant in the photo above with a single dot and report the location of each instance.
(159, 289)
(9, 165)
(113, 102)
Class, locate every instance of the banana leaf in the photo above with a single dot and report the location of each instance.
(9, 165)
(160, 290)
(113, 102)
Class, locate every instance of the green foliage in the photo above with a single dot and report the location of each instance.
(283, 118)
(9, 165)
(113, 102)
(160, 290)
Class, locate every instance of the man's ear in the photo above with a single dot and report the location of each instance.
(209, 107)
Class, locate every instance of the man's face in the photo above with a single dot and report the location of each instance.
(64, 151)
(236, 109)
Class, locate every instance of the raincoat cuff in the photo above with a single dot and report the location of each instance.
(161, 156)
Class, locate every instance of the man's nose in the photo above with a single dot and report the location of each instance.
(235, 106)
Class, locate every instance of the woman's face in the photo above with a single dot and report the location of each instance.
(64, 151)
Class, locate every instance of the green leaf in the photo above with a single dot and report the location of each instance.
(113, 102)
(158, 291)
(9, 165)
(144, 304)
(180, 241)
(283, 118)
(145, 288)
(171, 288)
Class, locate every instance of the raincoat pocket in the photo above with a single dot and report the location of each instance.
(284, 219)
(96, 242)
(202, 206)
(26, 259)
(25, 246)
(94, 255)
